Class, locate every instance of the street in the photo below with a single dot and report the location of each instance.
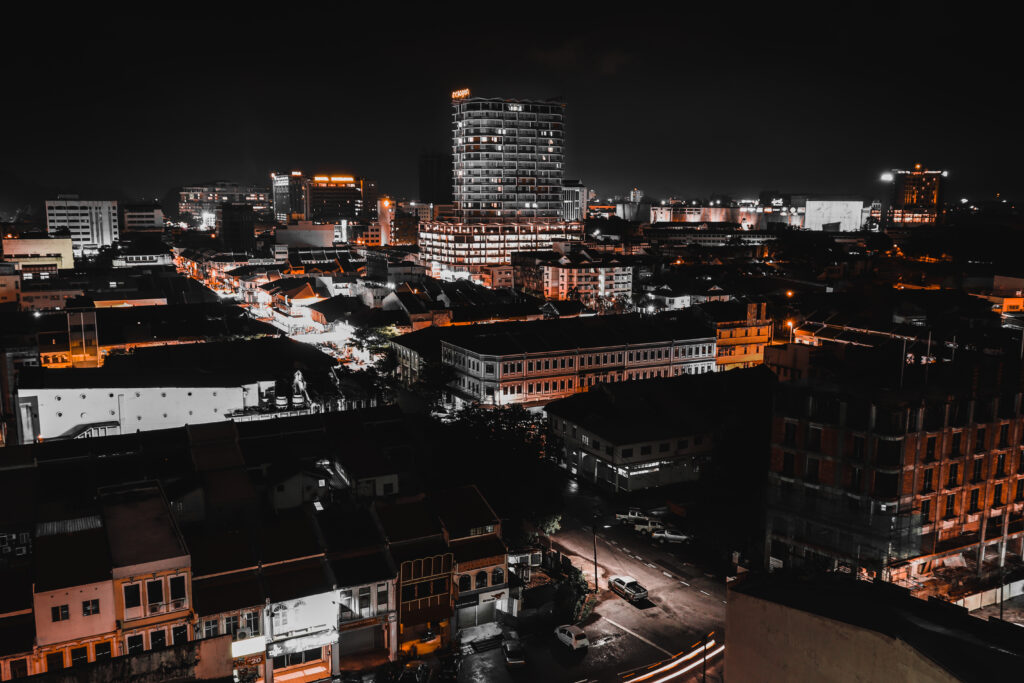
(684, 606)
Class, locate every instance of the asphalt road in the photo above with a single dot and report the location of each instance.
(684, 605)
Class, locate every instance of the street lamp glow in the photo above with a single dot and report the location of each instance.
(887, 177)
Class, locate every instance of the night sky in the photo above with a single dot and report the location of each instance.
(684, 106)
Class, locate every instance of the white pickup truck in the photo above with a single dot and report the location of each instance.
(648, 526)
(631, 516)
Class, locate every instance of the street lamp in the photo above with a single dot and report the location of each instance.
(594, 526)
(789, 324)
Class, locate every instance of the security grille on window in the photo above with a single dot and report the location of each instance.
(134, 644)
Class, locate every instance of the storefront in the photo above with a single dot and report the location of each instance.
(479, 608)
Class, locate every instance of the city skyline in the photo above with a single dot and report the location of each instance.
(818, 114)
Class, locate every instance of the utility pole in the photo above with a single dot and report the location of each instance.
(594, 525)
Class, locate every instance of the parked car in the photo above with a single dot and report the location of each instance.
(573, 636)
(628, 587)
(648, 526)
(669, 536)
(513, 650)
(631, 516)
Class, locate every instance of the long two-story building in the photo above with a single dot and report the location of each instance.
(537, 362)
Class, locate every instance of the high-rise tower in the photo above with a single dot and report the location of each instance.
(507, 166)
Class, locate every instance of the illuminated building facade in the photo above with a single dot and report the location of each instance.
(337, 198)
(574, 201)
(916, 197)
(92, 224)
(742, 331)
(533, 363)
(289, 194)
(200, 202)
(572, 274)
(507, 181)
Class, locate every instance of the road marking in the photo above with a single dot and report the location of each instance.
(685, 584)
(724, 602)
(668, 575)
(706, 593)
(638, 636)
(652, 566)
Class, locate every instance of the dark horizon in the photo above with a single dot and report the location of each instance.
(713, 110)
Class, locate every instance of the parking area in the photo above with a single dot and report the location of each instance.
(684, 605)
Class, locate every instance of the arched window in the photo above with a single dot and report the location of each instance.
(497, 576)
(464, 582)
(481, 579)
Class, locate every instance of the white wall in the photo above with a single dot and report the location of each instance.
(144, 408)
(846, 213)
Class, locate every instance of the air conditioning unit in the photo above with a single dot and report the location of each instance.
(242, 634)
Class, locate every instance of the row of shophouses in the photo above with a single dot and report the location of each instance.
(379, 582)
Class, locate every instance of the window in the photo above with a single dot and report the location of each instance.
(789, 436)
(59, 613)
(979, 441)
(79, 655)
(90, 607)
(231, 624)
(1004, 435)
(382, 596)
(134, 644)
(957, 439)
(814, 439)
(19, 668)
(926, 510)
(177, 586)
(481, 579)
(159, 638)
(1020, 490)
(627, 452)
(132, 596)
(154, 594)
(210, 626)
(55, 661)
(364, 601)
(645, 450)
(978, 464)
(974, 500)
(497, 576)
(787, 464)
(812, 470)
(101, 651)
(997, 496)
(465, 583)
(930, 448)
(950, 506)
(927, 486)
(179, 634)
(1001, 465)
